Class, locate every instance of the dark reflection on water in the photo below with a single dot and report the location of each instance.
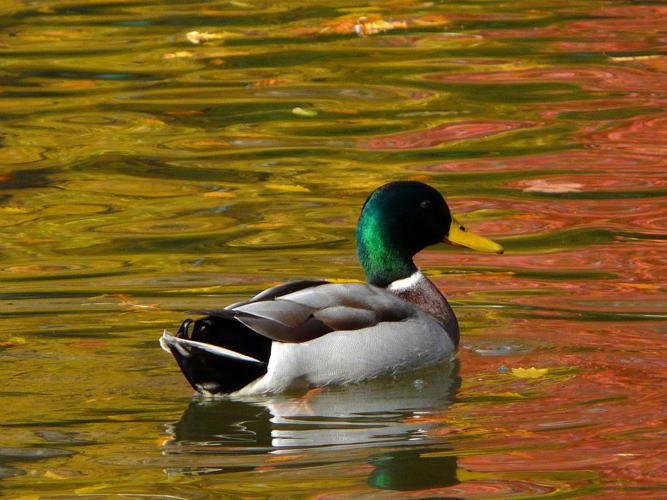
(377, 414)
(384, 415)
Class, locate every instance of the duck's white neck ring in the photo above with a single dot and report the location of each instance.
(406, 283)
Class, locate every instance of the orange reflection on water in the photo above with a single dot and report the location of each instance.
(442, 134)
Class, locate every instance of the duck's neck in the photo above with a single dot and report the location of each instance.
(382, 257)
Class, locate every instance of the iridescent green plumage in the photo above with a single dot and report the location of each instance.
(397, 221)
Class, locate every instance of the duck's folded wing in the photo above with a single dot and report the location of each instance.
(273, 292)
(286, 288)
(312, 312)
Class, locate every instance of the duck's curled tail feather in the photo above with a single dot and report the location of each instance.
(217, 354)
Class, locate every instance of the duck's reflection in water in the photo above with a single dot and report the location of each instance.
(325, 426)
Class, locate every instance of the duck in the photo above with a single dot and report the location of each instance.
(315, 333)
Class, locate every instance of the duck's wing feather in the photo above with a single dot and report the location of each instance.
(285, 289)
(268, 294)
(314, 311)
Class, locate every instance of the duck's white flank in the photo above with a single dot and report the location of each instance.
(406, 283)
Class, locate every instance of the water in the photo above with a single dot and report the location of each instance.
(143, 176)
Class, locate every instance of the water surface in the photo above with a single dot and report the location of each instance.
(142, 175)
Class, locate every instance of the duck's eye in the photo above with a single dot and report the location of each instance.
(426, 204)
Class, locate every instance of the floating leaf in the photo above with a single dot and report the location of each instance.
(634, 58)
(546, 186)
(288, 188)
(265, 83)
(51, 474)
(197, 37)
(366, 26)
(13, 341)
(531, 372)
(181, 54)
(12, 210)
(76, 84)
(307, 112)
(219, 194)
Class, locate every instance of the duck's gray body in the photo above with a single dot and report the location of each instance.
(322, 334)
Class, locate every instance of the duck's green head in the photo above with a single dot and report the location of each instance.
(401, 218)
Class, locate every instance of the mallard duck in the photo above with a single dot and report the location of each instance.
(313, 333)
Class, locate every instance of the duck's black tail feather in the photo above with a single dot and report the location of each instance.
(218, 354)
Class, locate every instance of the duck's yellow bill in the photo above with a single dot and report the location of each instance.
(459, 236)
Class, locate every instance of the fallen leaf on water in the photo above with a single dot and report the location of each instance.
(366, 26)
(523, 454)
(531, 372)
(545, 186)
(197, 37)
(40, 38)
(76, 84)
(153, 121)
(433, 20)
(12, 210)
(363, 26)
(163, 440)
(32, 268)
(508, 394)
(181, 54)
(277, 459)
(265, 83)
(634, 58)
(641, 286)
(140, 307)
(51, 474)
(219, 194)
(288, 188)
(307, 112)
(13, 341)
(132, 304)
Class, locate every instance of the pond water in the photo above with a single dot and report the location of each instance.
(143, 175)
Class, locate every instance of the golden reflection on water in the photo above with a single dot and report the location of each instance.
(142, 175)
